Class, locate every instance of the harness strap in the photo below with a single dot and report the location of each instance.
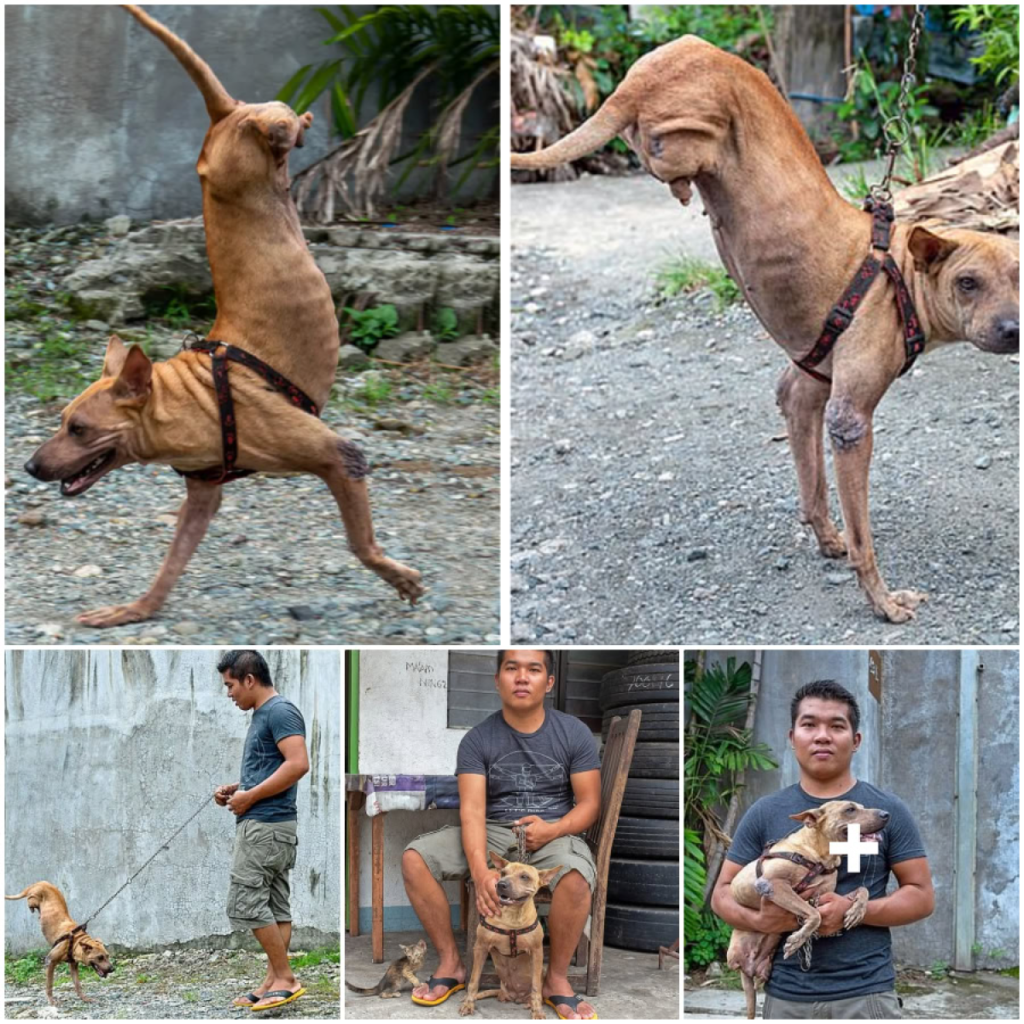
(841, 315)
(69, 938)
(220, 353)
(815, 869)
(512, 933)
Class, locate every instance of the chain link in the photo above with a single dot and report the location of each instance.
(523, 855)
(896, 129)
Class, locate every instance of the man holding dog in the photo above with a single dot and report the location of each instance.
(524, 765)
(851, 975)
(273, 760)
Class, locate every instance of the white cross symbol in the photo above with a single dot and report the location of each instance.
(853, 848)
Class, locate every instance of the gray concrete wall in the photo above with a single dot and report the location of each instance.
(108, 752)
(910, 748)
(101, 119)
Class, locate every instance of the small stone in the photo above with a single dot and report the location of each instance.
(187, 628)
(983, 462)
(52, 630)
(33, 517)
(1009, 626)
(563, 446)
(838, 578)
(304, 612)
(119, 225)
(696, 554)
(782, 563)
(167, 520)
(666, 477)
(84, 571)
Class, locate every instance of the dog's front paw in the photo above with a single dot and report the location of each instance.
(793, 943)
(466, 1008)
(407, 582)
(899, 605)
(115, 615)
(854, 916)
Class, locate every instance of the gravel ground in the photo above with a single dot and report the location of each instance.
(652, 500)
(195, 984)
(275, 565)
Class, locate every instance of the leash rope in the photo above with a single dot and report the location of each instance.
(163, 846)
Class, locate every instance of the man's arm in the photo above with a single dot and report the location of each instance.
(912, 901)
(770, 918)
(296, 764)
(586, 788)
(473, 817)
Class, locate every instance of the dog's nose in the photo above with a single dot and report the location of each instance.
(32, 468)
(1009, 333)
(884, 815)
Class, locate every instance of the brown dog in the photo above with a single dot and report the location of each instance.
(698, 116)
(76, 947)
(513, 933)
(790, 884)
(273, 302)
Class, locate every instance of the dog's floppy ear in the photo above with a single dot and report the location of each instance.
(929, 250)
(544, 877)
(135, 378)
(811, 817)
(115, 357)
(498, 862)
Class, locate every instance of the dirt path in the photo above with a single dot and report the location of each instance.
(651, 501)
(194, 984)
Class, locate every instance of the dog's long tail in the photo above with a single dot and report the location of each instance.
(218, 103)
(21, 895)
(608, 122)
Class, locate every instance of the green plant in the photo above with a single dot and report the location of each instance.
(491, 396)
(190, 996)
(375, 389)
(440, 393)
(179, 307)
(369, 326)
(18, 305)
(326, 954)
(446, 324)
(706, 936)
(688, 274)
(54, 369)
(26, 968)
(977, 125)
(998, 26)
(443, 53)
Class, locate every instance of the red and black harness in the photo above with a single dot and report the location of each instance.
(815, 869)
(512, 933)
(220, 354)
(70, 938)
(842, 313)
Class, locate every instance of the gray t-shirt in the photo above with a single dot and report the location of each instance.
(528, 773)
(271, 722)
(854, 963)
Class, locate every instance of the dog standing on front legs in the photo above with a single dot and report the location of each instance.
(57, 924)
(696, 115)
(521, 975)
(272, 301)
(790, 884)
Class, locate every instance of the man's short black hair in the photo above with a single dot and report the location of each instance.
(826, 689)
(240, 664)
(549, 658)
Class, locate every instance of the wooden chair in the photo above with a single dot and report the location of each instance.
(585, 973)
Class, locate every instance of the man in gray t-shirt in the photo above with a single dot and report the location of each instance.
(274, 758)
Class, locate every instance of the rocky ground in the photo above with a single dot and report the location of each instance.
(193, 984)
(653, 494)
(275, 566)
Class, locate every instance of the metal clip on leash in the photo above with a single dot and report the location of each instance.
(896, 129)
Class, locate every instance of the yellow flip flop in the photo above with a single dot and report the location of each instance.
(573, 1001)
(455, 986)
(287, 997)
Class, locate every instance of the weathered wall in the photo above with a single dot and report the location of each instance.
(108, 751)
(101, 119)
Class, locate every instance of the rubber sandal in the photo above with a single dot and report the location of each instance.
(252, 997)
(574, 1001)
(455, 986)
(287, 997)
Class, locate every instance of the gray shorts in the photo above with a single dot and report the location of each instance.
(876, 1006)
(442, 851)
(264, 854)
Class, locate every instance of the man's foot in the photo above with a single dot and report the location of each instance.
(558, 994)
(249, 999)
(279, 994)
(444, 981)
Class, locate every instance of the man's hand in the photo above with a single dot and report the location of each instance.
(487, 904)
(773, 919)
(832, 908)
(240, 801)
(538, 832)
(222, 793)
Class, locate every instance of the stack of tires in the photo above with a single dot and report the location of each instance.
(643, 879)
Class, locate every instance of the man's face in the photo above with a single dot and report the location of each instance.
(822, 737)
(240, 690)
(523, 680)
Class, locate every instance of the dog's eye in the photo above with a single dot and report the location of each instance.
(967, 284)
(75, 429)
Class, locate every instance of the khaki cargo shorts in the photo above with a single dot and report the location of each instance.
(442, 851)
(264, 854)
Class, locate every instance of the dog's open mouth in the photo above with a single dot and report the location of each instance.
(102, 971)
(871, 837)
(508, 901)
(81, 481)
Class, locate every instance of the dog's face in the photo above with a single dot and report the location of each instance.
(519, 882)
(973, 279)
(834, 818)
(92, 953)
(96, 426)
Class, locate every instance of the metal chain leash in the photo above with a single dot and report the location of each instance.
(522, 854)
(896, 129)
(163, 846)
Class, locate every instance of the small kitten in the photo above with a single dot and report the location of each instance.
(403, 969)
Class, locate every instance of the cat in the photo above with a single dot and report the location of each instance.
(403, 969)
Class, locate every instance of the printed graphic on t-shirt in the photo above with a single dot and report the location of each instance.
(538, 782)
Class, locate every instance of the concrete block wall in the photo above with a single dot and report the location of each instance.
(108, 751)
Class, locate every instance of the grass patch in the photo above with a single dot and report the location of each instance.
(179, 308)
(440, 393)
(26, 968)
(190, 997)
(375, 389)
(324, 955)
(492, 396)
(53, 371)
(688, 274)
